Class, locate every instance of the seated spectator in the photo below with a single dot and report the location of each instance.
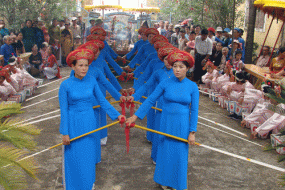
(211, 74)
(262, 61)
(35, 61)
(51, 68)
(7, 50)
(237, 46)
(279, 75)
(8, 85)
(44, 53)
(182, 40)
(216, 56)
(278, 63)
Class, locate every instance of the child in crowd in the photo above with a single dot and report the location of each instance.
(211, 74)
(51, 68)
(238, 64)
(224, 79)
(44, 54)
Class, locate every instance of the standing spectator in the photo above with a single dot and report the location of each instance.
(262, 61)
(236, 36)
(39, 35)
(54, 32)
(4, 31)
(156, 25)
(161, 29)
(219, 35)
(169, 32)
(28, 36)
(66, 45)
(187, 32)
(182, 40)
(175, 36)
(226, 36)
(92, 22)
(192, 28)
(191, 43)
(7, 50)
(45, 32)
(203, 51)
(216, 56)
(197, 30)
(61, 25)
(35, 61)
(82, 26)
(211, 34)
(166, 25)
(19, 45)
(77, 42)
(75, 28)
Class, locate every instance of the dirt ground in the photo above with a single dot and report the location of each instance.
(134, 171)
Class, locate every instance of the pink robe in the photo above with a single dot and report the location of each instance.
(206, 78)
(8, 89)
(220, 81)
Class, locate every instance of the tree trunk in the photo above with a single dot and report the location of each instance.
(250, 33)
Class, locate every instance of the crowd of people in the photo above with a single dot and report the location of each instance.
(158, 63)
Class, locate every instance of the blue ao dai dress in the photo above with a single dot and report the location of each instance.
(136, 48)
(76, 99)
(176, 119)
(144, 51)
(154, 80)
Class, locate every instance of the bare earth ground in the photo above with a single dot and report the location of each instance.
(134, 171)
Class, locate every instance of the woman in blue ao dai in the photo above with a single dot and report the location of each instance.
(179, 93)
(76, 97)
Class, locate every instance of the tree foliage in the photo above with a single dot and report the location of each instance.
(14, 137)
(205, 12)
(16, 12)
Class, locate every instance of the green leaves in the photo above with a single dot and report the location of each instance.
(14, 137)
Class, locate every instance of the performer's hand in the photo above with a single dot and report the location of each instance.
(123, 98)
(229, 90)
(65, 140)
(120, 117)
(124, 57)
(240, 100)
(129, 90)
(191, 138)
(130, 98)
(132, 119)
(123, 91)
(118, 58)
(126, 68)
(253, 135)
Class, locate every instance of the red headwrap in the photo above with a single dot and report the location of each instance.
(93, 47)
(98, 30)
(157, 38)
(80, 54)
(95, 37)
(180, 56)
(162, 52)
(151, 31)
(99, 43)
(161, 44)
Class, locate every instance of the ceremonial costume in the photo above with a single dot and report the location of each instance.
(76, 98)
(177, 120)
(9, 87)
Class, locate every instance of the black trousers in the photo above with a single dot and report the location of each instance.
(198, 71)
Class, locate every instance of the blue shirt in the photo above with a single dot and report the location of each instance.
(7, 51)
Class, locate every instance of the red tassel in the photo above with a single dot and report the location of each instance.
(127, 133)
(132, 109)
(121, 78)
(122, 104)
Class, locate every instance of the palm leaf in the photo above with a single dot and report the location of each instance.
(8, 109)
(12, 178)
(268, 147)
(10, 156)
(18, 135)
(281, 158)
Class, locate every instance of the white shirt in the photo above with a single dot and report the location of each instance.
(203, 47)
